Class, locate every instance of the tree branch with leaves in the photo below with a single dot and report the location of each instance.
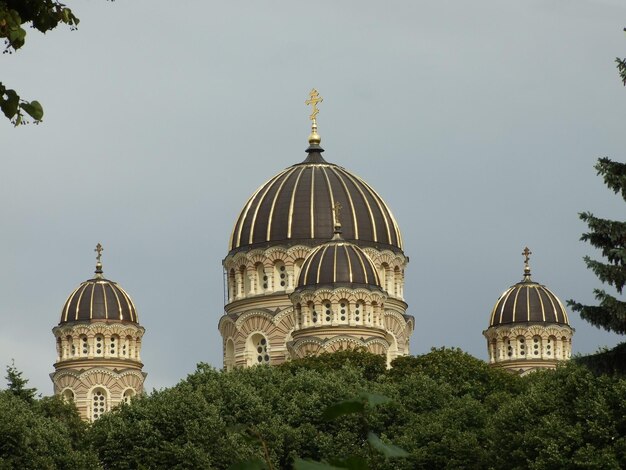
(42, 15)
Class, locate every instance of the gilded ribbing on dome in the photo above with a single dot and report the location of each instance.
(296, 206)
(528, 302)
(98, 299)
(338, 263)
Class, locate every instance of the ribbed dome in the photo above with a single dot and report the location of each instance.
(296, 206)
(528, 302)
(98, 299)
(338, 263)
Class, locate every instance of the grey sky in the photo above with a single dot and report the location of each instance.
(478, 123)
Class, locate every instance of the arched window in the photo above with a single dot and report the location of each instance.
(396, 281)
(536, 346)
(314, 313)
(280, 276)
(505, 349)
(229, 354)
(126, 347)
(71, 348)
(261, 278)
(232, 285)
(114, 345)
(564, 347)
(99, 345)
(84, 345)
(68, 395)
(328, 312)
(128, 395)
(99, 402)
(258, 350)
(551, 347)
(521, 346)
(343, 310)
(245, 280)
(359, 311)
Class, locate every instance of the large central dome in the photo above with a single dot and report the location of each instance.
(295, 206)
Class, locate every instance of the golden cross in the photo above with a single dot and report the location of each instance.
(99, 249)
(337, 210)
(313, 100)
(526, 254)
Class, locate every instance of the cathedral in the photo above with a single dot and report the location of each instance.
(315, 264)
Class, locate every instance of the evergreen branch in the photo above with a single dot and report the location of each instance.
(609, 274)
(610, 314)
(614, 175)
(621, 67)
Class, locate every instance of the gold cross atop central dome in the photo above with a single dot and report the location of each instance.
(314, 99)
(526, 254)
(99, 250)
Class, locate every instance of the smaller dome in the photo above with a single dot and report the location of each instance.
(528, 302)
(98, 299)
(338, 262)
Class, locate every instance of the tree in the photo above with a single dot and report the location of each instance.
(610, 237)
(43, 15)
(16, 384)
(621, 67)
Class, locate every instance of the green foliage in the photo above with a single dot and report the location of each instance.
(566, 419)
(42, 434)
(16, 385)
(462, 371)
(43, 15)
(611, 362)
(445, 410)
(609, 237)
(371, 365)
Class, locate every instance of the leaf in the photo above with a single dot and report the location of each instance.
(343, 408)
(34, 109)
(10, 104)
(252, 464)
(374, 400)
(300, 464)
(388, 450)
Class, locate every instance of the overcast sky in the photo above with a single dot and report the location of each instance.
(478, 122)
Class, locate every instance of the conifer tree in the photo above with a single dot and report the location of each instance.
(16, 384)
(610, 237)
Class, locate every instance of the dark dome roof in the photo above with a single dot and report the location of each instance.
(338, 263)
(528, 302)
(98, 299)
(296, 206)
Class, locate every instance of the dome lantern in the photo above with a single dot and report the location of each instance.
(98, 343)
(528, 327)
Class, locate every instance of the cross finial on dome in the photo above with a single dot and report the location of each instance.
(314, 99)
(99, 250)
(337, 216)
(526, 254)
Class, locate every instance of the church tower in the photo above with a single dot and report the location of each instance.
(98, 341)
(282, 224)
(339, 302)
(528, 328)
